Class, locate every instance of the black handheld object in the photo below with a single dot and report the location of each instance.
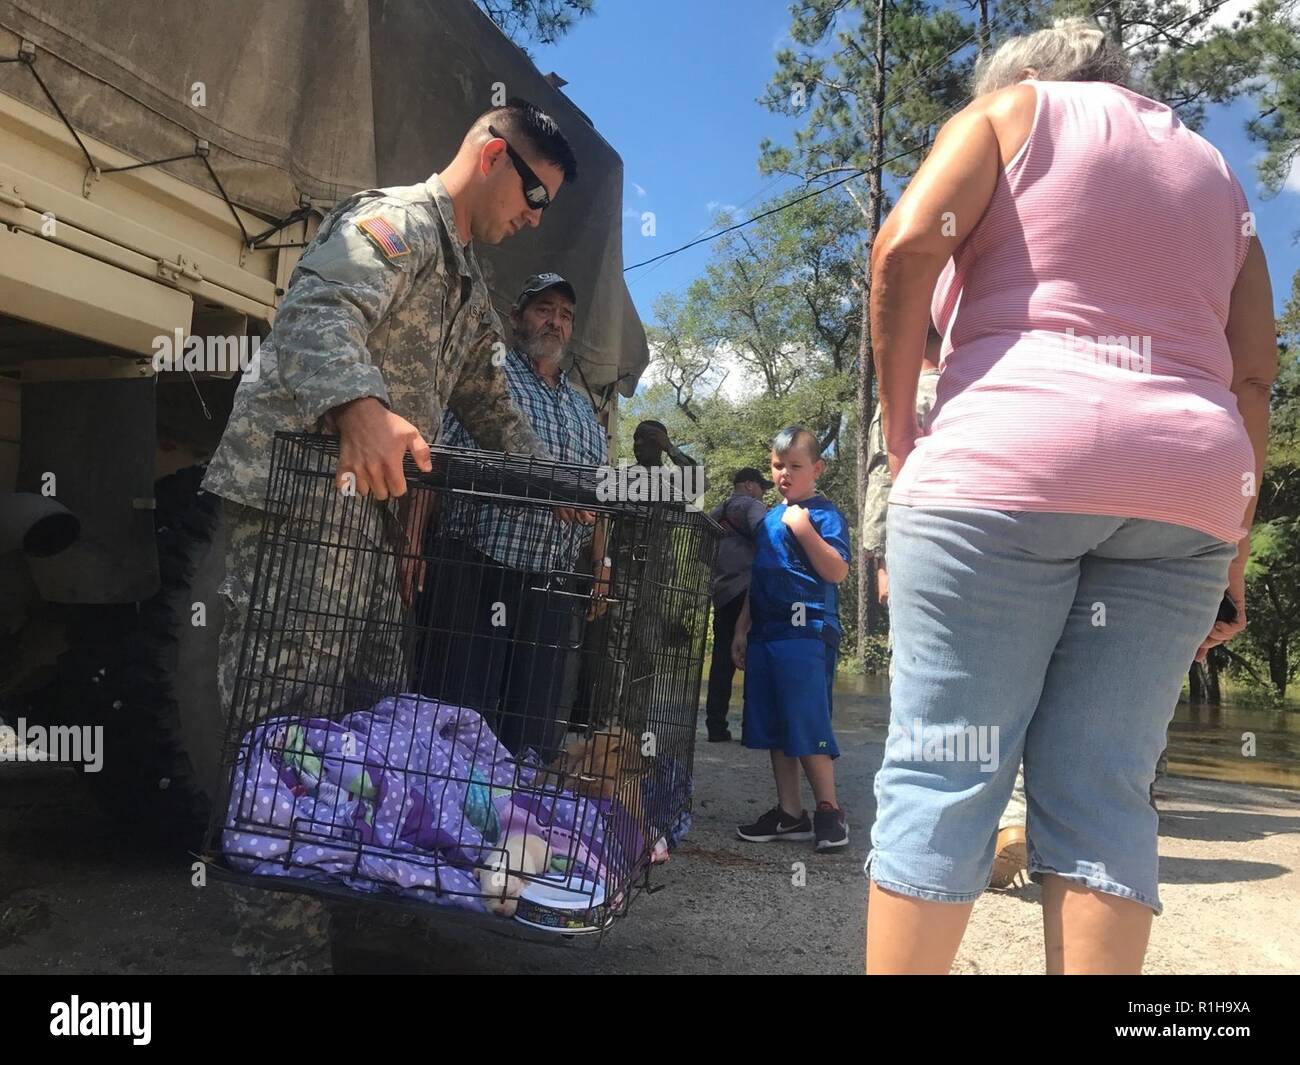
(1227, 610)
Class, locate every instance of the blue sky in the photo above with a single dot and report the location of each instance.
(673, 85)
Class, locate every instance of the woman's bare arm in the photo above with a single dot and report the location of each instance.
(1252, 339)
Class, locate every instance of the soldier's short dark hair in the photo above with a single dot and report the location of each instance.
(794, 435)
(519, 121)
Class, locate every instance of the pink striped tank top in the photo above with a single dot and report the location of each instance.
(1084, 365)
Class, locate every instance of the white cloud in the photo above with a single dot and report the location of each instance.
(632, 213)
(1292, 182)
(740, 384)
(1221, 19)
(728, 376)
(639, 190)
(1229, 11)
(714, 206)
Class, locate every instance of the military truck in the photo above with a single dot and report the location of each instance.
(161, 167)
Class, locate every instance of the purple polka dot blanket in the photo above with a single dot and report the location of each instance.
(409, 797)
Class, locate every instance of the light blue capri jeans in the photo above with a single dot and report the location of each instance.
(1060, 637)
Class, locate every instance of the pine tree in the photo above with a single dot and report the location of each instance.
(873, 82)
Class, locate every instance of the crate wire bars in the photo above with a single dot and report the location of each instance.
(415, 747)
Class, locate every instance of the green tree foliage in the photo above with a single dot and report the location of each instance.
(1258, 55)
(772, 332)
(825, 79)
(1267, 654)
(540, 21)
(872, 82)
(772, 318)
(765, 338)
(775, 304)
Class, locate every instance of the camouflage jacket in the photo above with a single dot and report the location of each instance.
(879, 482)
(385, 302)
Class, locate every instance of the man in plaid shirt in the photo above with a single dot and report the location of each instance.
(507, 643)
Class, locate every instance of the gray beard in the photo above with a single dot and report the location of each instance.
(541, 349)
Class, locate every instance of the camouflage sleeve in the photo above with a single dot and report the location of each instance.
(482, 402)
(453, 433)
(876, 503)
(926, 393)
(342, 288)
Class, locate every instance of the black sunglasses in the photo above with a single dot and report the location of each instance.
(534, 191)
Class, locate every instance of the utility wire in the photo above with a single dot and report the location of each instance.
(1205, 11)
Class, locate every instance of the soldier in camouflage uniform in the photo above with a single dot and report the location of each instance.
(387, 322)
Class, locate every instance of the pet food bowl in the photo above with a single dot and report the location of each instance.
(573, 907)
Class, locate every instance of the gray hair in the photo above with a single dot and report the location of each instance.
(1071, 49)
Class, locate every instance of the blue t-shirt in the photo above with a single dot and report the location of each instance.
(783, 577)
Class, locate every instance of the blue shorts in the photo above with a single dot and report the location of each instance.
(1062, 639)
(788, 697)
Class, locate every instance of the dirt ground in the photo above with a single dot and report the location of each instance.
(81, 895)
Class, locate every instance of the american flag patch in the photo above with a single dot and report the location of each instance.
(389, 241)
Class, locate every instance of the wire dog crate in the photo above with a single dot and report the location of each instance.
(403, 725)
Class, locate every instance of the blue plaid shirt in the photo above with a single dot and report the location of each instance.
(533, 538)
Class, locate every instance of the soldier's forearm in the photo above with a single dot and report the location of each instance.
(873, 536)
(336, 418)
(484, 407)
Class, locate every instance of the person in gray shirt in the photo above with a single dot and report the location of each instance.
(740, 515)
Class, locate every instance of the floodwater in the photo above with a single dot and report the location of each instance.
(1207, 742)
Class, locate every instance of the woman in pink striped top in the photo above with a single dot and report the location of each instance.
(1063, 530)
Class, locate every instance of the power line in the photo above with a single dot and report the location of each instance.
(893, 97)
(748, 221)
(1203, 12)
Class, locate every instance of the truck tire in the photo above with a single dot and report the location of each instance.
(146, 673)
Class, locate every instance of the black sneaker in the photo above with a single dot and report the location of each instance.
(724, 736)
(831, 827)
(777, 824)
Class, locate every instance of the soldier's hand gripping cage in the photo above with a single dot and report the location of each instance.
(404, 723)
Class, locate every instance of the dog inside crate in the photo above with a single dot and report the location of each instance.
(442, 782)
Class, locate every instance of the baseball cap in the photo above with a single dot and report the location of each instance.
(748, 473)
(539, 283)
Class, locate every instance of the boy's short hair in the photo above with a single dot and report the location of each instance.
(794, 435)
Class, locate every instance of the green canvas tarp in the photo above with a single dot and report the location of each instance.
(304, 97)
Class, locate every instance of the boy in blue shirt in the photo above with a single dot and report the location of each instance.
(786, 641)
